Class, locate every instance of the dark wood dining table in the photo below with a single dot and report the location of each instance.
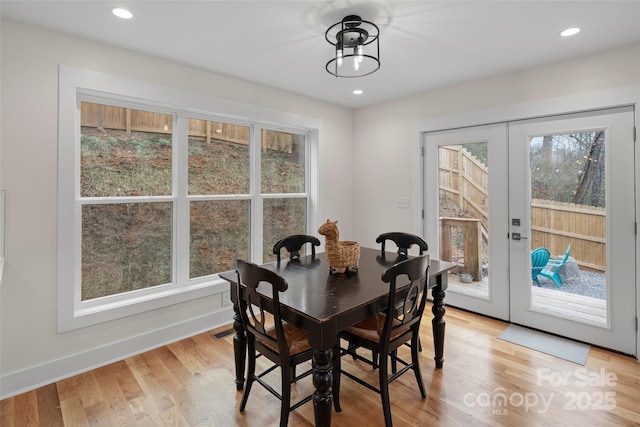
(323, 304)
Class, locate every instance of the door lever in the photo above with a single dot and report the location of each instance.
(517, 236)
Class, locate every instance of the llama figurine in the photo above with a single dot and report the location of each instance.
(342, 256)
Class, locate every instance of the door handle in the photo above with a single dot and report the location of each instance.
(517, 236)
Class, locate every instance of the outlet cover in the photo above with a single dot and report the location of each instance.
(226, 298)
(402, 202)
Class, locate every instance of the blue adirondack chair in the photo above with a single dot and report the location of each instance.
(552, 269)
(539, 258)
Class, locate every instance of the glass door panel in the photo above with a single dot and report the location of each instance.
(469, 209)
(464, 216)
(568, 217)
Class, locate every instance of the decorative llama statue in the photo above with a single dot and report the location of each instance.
(342, 256)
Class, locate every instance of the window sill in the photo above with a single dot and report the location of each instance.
(92, 314)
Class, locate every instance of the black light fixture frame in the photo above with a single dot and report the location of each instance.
(351, 33)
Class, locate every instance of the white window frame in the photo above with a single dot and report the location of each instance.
(76, 85)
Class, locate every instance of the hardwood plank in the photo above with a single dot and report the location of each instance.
(6, 412)
(49, 412)
(25, 409)
(113, 409)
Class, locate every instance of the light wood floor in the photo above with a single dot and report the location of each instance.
(485, 382)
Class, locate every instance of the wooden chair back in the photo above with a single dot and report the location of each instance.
(408, 299)
(403, 241)
(259, 297)
(294, 243)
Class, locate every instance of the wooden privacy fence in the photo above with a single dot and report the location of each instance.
(130, 120)
(555, 225)
(463, 180)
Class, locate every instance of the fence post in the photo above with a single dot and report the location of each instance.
(472, 248)
(127, 125)
(445, 236)
(460, 180)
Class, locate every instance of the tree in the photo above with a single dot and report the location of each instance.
(590, 181)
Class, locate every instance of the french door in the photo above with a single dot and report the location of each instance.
(466, 214)
(564, 184)
(594, 299)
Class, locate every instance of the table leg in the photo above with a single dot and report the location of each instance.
(322, 381)
(438, 324)
(239, 346)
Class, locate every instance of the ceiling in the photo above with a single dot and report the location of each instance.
(423, 44)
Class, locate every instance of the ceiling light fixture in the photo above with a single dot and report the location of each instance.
(570, 32)
(357, 47)
(122, 13)
(358, 92)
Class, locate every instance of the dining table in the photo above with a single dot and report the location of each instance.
(323, 304)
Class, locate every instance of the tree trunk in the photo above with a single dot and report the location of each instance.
(591, 175)
(297, 149)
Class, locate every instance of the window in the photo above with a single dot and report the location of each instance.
(157, 199)
(125, 199)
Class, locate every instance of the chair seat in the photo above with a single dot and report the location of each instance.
(297, 339)
(552, 269)
(371, 328)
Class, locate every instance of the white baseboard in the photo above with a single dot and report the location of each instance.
(18, 382)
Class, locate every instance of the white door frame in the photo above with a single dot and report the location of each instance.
(626, 95)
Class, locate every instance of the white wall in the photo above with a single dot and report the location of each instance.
(31, 352)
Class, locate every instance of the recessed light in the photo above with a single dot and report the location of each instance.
(570, 32)
(358, 92)
(122, 13)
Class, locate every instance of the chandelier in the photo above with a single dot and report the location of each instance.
(357, 47)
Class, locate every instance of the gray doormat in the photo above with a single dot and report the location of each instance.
(549, 344)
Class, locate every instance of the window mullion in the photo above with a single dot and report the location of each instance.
(312, 183)
(181, 200)
(256, 194)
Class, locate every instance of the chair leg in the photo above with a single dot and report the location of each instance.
(337, 365)
(384, 391)
(251, 374)
(394, 363)
(535, 279)
(415, 360)
(352, 347)
(285, 405)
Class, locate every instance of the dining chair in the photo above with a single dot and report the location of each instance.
(284, 344)
(552, 269)
(403, 241)
(294, 243)
(383, 334)
(539, 258)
